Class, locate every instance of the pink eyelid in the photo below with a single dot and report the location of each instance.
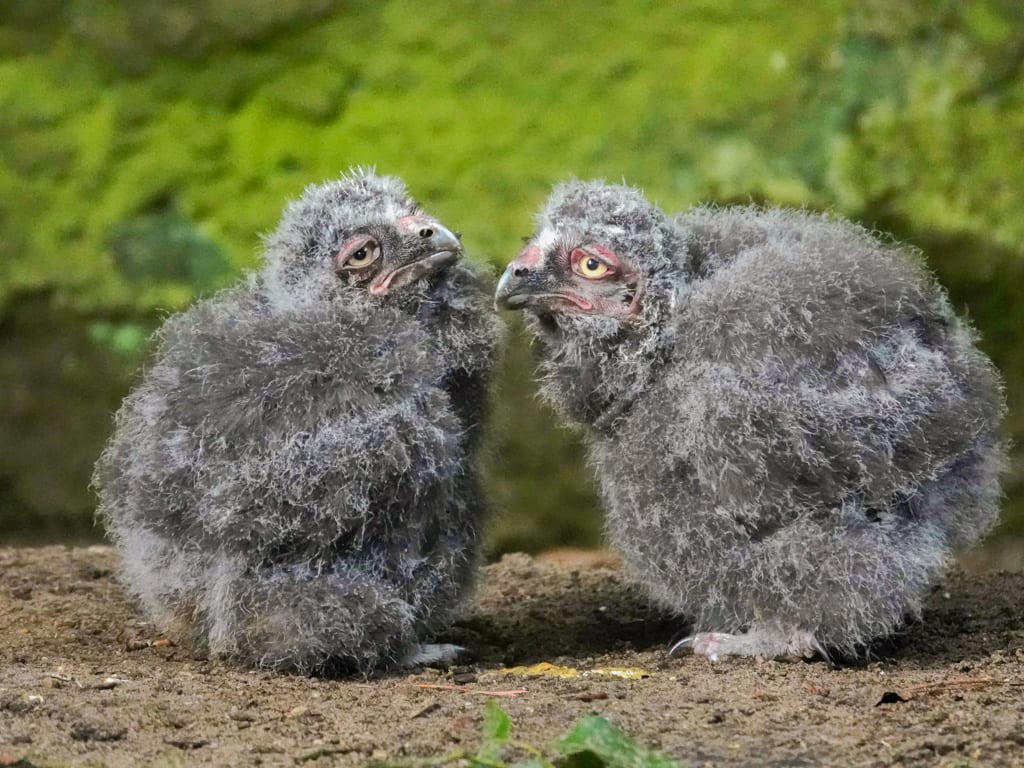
(352, 245)
(599, 252)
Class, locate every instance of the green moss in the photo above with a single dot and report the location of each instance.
(165, 247)
(314, 92)
(540, 492)
(908, 114)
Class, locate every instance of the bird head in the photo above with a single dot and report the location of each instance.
(601, 254)
(363, 234)
(597, 282)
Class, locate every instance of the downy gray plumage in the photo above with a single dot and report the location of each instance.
(791, 429)
(290, 482)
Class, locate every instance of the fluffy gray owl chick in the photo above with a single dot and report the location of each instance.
(289, 484)
(790, 427)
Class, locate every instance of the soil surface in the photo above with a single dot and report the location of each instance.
(82, 682)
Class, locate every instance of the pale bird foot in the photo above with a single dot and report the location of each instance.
(757, 641)
(435, 653)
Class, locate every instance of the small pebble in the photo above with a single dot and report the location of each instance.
(87, 732)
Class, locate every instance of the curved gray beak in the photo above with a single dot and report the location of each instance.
(440, 243)
(506, 296)
(434, 235)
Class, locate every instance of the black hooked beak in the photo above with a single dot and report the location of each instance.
(509, 294)
(526, 283)
(514, 288)
(443, 247)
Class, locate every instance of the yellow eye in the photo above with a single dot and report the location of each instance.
(591, 267)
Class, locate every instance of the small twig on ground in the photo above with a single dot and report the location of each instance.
(319, 752)
(59, 680)
(957, 684)
(187, 744)
(108, 683)
(425, 710)
(462, 689)
(137, 643)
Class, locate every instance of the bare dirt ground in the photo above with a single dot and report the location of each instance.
(79, 685)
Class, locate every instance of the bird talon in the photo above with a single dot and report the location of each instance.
(681, 645)
(818, 648)
(431, 653)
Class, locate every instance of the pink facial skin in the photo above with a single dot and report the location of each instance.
(529, 258)
(609, 287)
(617, 270)
(382, 285)
(409, 225)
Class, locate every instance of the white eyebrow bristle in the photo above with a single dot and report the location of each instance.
(545, 239)
(392, 211)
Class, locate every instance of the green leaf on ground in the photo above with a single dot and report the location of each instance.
(596, 742)
(497, 729)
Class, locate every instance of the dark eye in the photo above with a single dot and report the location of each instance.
(359, 252)
(592, 268)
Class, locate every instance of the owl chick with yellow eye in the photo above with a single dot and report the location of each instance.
(291, 480)
(791, 429)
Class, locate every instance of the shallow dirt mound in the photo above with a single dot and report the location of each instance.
(81, 682)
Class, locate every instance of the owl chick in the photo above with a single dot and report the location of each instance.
(290, 482)
(791, 429)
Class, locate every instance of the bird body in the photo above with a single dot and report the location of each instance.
(790, 428)
(290, 482)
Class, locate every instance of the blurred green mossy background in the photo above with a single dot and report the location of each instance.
(145, 145)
